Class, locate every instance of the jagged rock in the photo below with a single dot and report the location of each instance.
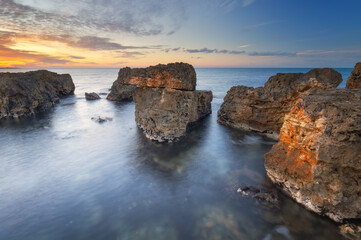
(263, 109)
(181, 76)
(318, 159)
(100, 119)
(120, 92)
(91, 96)
(354, 81)
(23, 94)
(166, 114)
(351, 231)
(269, 197)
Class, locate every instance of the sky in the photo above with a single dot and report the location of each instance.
(205, 33)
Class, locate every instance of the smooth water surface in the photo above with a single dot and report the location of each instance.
(65, 176)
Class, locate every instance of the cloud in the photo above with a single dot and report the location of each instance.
(205, 50)
(246, 3)
(261, 24)
(323, 52)
(141, 17)
(244, 46)
(272, 54)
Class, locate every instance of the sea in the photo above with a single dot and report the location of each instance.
(66, 176)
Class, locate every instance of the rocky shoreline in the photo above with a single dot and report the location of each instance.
(24, 94)
(317, 160)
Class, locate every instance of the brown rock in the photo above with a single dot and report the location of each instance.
(92, 96)
(318, 159)
(120, 92)
(354, 81)
(24, 94)
(263, 109)
(180, 76)
(166, 114)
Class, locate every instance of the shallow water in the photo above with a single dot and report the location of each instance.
(65, 176)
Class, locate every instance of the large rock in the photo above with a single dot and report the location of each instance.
(318, 159)
(354, 81)
(120, 92)
(263, 109)
(180, 76)
(166, 114)
(24, 94)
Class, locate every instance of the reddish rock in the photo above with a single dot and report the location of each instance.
(23, 94)
(180, 76)
(167, 114)
(263, 109)
(354, 81)
(317, 160)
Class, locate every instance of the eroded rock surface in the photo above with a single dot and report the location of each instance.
(23, 94)
(120, 92)
(318, 159)
(180, 76)
(263, 109)
(354, 81)
(166, 114)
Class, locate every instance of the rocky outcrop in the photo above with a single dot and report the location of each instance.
(92, 96)
(318, 159)
(263, 109)
(354, 81)
(181, 76)
(23, 94)
(120, 92)
(166, 114)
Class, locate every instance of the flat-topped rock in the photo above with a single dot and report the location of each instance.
(263, 109)
(317, 160)
(354, 81)
(26, 93)
(167, 114)
(181, 76)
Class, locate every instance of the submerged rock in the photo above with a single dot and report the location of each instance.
(23, 94)
(101, 119)
(269, 197)
(354, 81)
(180, 76)
(318, 160)
(263, 109)
(120, 92)
(166, 114)
(92, 96)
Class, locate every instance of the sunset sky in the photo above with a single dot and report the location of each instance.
(205, 33)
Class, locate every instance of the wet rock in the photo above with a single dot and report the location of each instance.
(354, 81)
(263, 109)
(317, 160)
(101, 119)
(351, 231)
(23, 94)
(92, 96)
(270, 197)
(180, 76)
(166, 114)
(120, 92)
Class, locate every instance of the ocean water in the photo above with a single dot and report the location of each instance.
(65, 176)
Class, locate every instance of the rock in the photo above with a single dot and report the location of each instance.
(166, 114)
(181, 76)
(120, 92)
(270, 197)
(351, 231)
(318, 159)
(263, 109)
(23, 94)
(101, 119)
(91, 96)
(354, 81)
